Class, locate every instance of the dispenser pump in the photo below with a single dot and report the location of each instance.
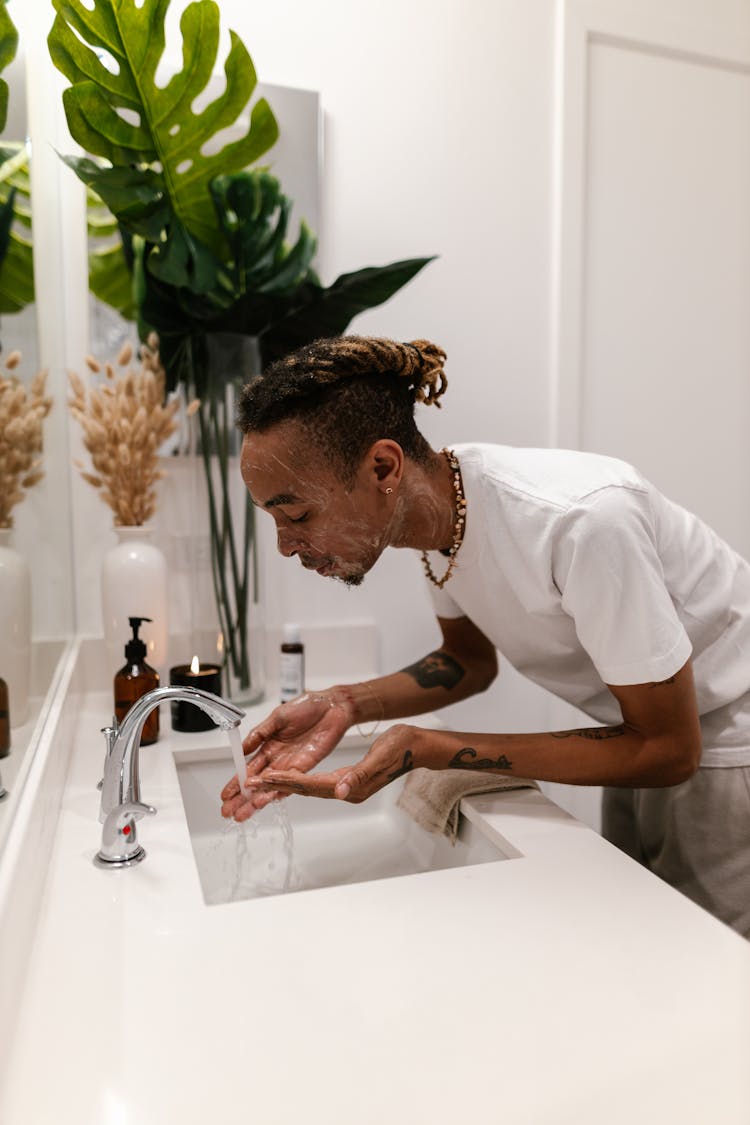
(134, 679)
(135, 649)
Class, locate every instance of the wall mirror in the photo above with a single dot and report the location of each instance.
(58, 527)
(31, 319)
(181, 531)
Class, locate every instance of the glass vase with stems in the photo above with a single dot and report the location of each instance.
(228, 360)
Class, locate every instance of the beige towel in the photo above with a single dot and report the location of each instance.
(432, 797)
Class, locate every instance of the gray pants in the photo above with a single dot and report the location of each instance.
(695, 836)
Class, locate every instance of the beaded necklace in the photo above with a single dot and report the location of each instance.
(458, 530)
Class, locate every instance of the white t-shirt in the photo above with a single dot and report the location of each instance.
(582, 574)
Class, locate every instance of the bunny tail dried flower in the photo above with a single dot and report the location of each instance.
(124, 422)
(22, 412)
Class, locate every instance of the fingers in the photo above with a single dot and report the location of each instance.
(260, 734)
(256, 738)
(307, 784)
(231, 789)
(293, 781)
(255, 804)
(241, 809)
(356, 784)
(257, 763)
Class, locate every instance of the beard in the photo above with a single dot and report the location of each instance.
(350, 580)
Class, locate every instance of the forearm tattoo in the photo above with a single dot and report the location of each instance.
(406, 766)
(438, 669)
(467, 759)
(596, 734)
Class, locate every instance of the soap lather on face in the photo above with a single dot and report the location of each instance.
(335, 530)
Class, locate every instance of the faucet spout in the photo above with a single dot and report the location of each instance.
(121, 782)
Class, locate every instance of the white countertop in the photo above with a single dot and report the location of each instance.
(564, 986)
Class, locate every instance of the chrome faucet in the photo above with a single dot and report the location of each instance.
(121, 803)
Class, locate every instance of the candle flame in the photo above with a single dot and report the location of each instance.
(195, 665)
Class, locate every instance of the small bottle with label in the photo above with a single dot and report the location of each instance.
(134, 679)
(292, 664)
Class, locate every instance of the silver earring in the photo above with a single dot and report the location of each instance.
(388, 491)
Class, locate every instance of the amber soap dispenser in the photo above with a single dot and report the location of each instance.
(134, 679)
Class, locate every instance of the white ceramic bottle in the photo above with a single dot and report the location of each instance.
(15, 628)
(134, 584)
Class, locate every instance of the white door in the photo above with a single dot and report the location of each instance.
(652, 309)
(654, 252)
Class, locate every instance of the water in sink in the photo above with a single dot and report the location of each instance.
(334, 842)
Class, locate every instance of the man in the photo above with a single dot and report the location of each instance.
(587, 580)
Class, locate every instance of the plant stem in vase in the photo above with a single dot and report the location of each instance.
(231, 360)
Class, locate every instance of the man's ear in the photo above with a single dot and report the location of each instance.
(385, 462)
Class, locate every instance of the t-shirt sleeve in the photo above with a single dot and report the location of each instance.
(607, 568)
(443, 603)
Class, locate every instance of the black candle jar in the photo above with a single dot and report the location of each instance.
(187, 717)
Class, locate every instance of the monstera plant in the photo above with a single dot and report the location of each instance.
(203, 234)
(16, 260)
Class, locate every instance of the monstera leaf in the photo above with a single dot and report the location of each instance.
(269, 289)
(152, 135)
(203, 236)
(281, 323)
(16, 254)
(8, 48)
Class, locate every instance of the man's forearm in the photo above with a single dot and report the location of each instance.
(434, 681)
(614, 755)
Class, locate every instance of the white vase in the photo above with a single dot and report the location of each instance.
(15, 628)
(134, 584)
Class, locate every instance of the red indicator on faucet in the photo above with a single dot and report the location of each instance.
(126, 830)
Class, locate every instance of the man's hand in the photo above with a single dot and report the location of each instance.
(389, 757)
(295, 736)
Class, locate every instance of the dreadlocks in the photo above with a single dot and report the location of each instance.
(347, 392)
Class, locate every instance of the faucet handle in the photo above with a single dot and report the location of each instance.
(120, 847)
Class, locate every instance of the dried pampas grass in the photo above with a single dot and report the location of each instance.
(124, 421)
(22, 412)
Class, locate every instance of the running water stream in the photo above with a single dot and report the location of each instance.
(262, 858)
(235, 745)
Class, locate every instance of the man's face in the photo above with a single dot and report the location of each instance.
(338, 532)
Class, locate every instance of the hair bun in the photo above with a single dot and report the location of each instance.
(428, 362)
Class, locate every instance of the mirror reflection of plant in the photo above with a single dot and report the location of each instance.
(109, 258)
(22, 412)
(16, 252)
(16, 261)
(8, 48)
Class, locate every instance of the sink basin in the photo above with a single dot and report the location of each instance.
(303, 843)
